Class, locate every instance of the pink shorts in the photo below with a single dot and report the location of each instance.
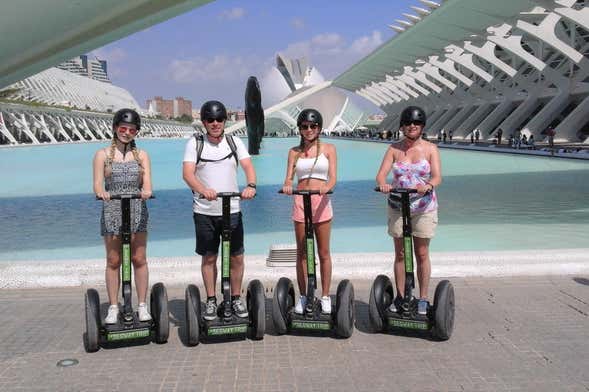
(320, 206)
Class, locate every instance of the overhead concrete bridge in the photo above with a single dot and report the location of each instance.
(514, 65)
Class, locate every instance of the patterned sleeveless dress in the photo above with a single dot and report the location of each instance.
(125, 179)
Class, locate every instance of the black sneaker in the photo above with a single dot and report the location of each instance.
(210, 310)
(239, 308)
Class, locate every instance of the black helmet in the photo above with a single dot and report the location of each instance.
(213, 109)
(128, 116)
(412, 113)
(310, 115)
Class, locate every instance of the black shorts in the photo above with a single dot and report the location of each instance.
(208, 234)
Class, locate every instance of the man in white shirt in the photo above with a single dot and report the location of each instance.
(215, 170)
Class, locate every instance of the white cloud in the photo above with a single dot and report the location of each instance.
(330, 53)
(216, 68)
(232, 14)
(297, 23)
(367, 44)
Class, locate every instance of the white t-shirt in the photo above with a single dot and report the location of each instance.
(220, 175)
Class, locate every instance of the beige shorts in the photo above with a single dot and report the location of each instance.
(422, 225)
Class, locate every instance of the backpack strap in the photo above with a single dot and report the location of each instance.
(200, 142)
(233, 147)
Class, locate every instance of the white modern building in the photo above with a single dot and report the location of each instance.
(63, 88)
(509, 65)
(305, 87)
(92, 68)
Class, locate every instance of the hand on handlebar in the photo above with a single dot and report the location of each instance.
(287, 189)
(385, 188)
(422, 189)
(103, 195)
(146, 194)
(248, 193)
(209, 194)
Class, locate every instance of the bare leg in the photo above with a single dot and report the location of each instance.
(399, 267)
(208, 267)
(112, 275)
(139, 259)
(323, 232)
(236, 274)
(424, 268)
(301, 257)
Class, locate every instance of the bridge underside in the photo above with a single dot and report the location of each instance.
(37, 34)
(519, 66)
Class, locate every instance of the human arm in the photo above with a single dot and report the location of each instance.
(287, 186)
(435, 173)
(383, 171)
(146, 188)
(331, 171)
(98, 175)
(250, 175)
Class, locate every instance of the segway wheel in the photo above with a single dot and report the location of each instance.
(443, 310)
(159, 309)
(344, 309)
(282, 303)
(381, 297)
(192, 311)
(256, 304)
(92, 307)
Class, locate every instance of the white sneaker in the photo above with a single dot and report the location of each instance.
(301, 303)
(326, 304)
(113, 315)
(143, 313)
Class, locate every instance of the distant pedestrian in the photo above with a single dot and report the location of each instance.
(450, 134)
(499, 135)
(443, 135)
(550, 132)
(477, 135)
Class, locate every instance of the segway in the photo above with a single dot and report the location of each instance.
(226, 323)
(128, 326)
(439, 318)
(285, 319)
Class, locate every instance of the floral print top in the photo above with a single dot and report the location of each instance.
(409, 175)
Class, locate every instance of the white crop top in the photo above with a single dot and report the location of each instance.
(319, 171)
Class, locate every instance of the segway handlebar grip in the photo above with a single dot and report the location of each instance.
(398, 190)
(307, 192)
(126, 196)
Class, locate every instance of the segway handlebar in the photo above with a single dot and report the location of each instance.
(306, 192)
(224, 194)
(125, 196)
(398, 190)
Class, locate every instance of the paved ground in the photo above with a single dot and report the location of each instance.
(511, 334)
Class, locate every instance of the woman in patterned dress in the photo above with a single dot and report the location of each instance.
(414, 163)
(122, 168)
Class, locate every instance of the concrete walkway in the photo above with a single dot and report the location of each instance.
(511, 334)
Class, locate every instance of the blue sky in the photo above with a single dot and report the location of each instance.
(209, 52)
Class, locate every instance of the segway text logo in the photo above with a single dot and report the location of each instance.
(227, 330)
(305, 325)
(310, 257)
(226, 249)
(114, 336)
(126, 262)
(408, 324)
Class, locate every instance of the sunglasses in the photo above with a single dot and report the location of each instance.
(304, 127)
(212, 120)
(407, 123)
(132, 131)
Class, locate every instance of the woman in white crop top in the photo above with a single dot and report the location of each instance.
(314, 164)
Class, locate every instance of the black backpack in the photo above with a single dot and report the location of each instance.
(200, 142)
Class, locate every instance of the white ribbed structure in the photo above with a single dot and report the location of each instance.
(26, 125)
(59, 87)
(515, 65)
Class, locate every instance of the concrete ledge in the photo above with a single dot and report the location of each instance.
(181, 270)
